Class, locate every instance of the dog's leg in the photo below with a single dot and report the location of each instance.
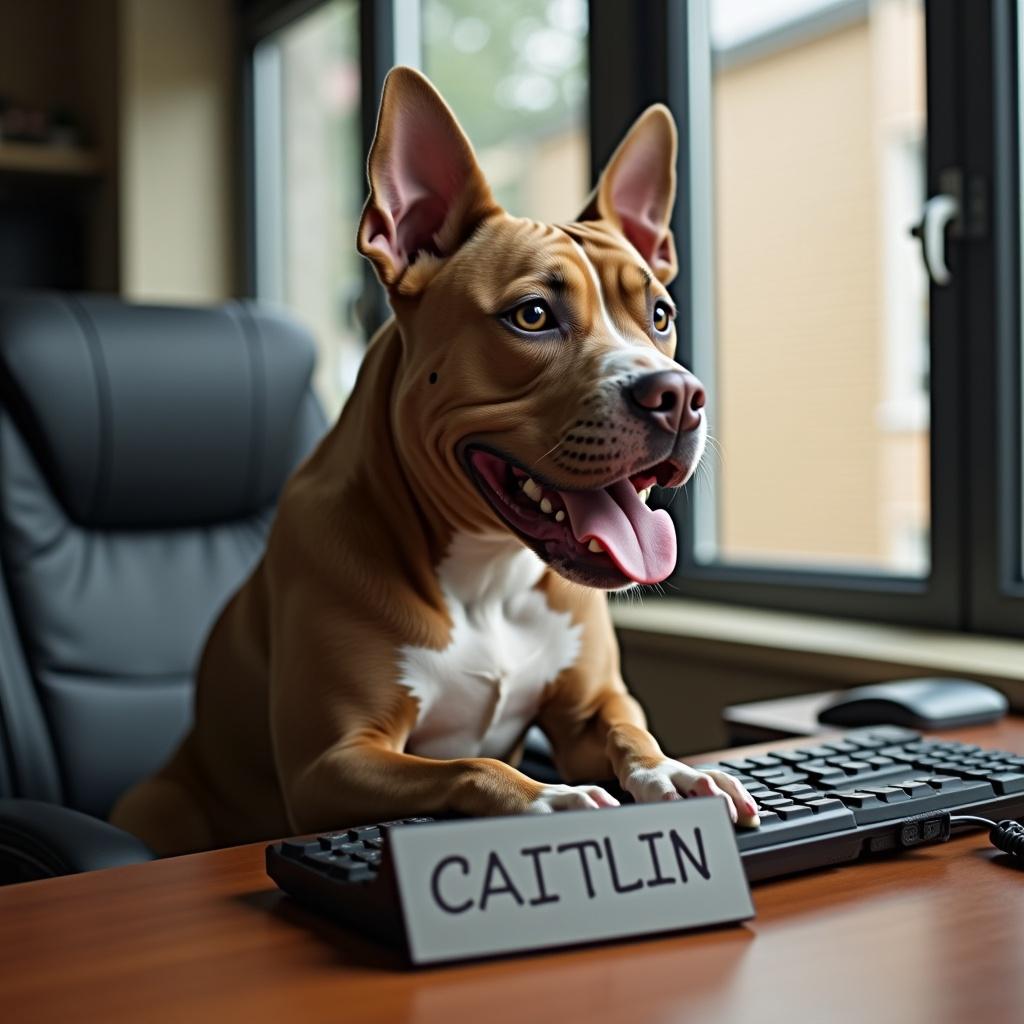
(365, 782)
(609, 732)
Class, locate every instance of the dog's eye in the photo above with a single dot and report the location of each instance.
(532, 316)
(662, 317)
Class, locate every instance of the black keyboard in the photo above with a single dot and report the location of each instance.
(870, 791)
(834, 801)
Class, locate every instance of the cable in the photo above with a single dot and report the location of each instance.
(1006, 835)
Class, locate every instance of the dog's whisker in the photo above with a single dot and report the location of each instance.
(558, 444)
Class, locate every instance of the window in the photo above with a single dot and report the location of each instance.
(820, 303)
(309, 184)
(867, 416)
(515, 74)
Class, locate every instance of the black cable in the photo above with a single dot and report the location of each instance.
(1007, 835)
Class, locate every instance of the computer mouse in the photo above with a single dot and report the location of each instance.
(917, 704)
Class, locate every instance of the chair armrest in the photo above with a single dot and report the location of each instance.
(40, 840)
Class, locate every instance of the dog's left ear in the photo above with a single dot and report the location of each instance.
(427, 191)
(637, 188)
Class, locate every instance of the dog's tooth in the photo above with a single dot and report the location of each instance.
(595, 546)
(546, 507)
(532, 489)
(645, 493)
(559, 515)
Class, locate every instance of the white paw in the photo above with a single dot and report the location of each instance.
(571, 798)
(672, 780)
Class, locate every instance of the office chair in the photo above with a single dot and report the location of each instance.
(142, 450)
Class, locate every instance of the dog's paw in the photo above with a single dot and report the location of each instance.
(672, 780)
(571, 798)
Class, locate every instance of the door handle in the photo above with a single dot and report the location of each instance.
(939, 213)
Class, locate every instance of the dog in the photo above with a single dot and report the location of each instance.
(434, 581)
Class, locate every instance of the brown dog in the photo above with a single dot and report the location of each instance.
(419, 604)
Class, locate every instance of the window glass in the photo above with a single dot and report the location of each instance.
(310, 184)
(515, 75)
(820, 351)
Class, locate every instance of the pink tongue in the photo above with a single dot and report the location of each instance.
(641, 541)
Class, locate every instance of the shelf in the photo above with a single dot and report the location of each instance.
(66, 161)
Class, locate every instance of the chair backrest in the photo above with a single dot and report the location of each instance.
(142, 450)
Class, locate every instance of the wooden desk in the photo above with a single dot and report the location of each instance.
(934, 935)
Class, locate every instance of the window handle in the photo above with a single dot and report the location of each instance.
(940, 212)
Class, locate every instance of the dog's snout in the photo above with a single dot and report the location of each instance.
(671, 398)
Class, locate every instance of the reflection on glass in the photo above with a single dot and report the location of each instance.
(310, 184)
(515, 75)
(821, 302)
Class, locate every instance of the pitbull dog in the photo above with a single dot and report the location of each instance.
(434, 581)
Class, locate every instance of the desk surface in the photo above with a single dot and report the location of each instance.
(934, 935)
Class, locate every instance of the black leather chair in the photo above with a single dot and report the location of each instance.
(142, 450)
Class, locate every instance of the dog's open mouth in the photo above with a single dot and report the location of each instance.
(604, 537)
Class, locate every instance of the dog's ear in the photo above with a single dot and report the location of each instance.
(427, 192)
(637, 188)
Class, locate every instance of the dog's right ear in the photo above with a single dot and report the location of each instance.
(427, 192)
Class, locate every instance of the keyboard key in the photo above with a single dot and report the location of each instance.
(791, 756)
(888, 794)
(794, 812)
(855, 767)
(740, 765)
(880, 762)
(944, 783)
(364, 832)
(796, 787)
(298, 848)
(320, 858)
(842, 747)
(785, 778)
(764, 761)
(868, 741)
(856, 800)
(897, 754)
(825, 804)
(916, 788)
(1007, 782)
(335, 841)
(353, 872)
(767, 773)
(816, 752)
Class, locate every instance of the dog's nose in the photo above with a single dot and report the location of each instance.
(671, 398)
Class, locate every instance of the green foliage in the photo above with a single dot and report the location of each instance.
(510, 70)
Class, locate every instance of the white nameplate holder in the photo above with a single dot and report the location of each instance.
(503, 885)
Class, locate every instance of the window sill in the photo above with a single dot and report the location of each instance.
(844, 648)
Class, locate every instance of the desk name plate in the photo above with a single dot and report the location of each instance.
(502, 885)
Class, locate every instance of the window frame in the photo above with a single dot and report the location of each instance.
(995, 594)
(378, 49)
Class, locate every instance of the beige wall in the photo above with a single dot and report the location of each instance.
(822, 299)
(798, 303)
(177, 139)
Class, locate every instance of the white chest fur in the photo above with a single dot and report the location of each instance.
(478, 694)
